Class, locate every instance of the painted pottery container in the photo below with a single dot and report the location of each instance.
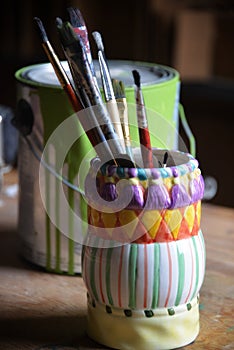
(40, 95)
(144, 264)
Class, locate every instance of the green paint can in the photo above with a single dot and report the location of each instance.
(41, 95)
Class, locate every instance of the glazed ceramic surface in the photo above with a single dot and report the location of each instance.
(143, 286)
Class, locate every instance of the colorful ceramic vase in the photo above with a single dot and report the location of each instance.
(143, 284)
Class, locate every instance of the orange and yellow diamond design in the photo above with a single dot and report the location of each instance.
(147, 226)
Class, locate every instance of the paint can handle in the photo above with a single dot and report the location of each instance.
(188, 132)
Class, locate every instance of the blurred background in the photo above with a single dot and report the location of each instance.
(193, 36)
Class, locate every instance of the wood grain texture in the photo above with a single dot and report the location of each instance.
(39, 310)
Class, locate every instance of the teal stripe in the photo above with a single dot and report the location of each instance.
(156, 283)
(108, 266)
(132, 275)
(92, 272)
(197, 266)
(181, 276)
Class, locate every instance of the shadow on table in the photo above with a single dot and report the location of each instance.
(57, 333)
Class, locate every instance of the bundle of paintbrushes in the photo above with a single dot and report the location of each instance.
(106, 122)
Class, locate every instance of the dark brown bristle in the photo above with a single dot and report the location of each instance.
(137, 78)
(76, 17)
(165, 158)
(41, 29)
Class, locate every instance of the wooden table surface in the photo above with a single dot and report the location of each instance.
(39, 310)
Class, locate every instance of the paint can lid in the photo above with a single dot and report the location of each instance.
(151, 74)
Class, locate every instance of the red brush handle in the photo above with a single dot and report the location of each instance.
(146, 149)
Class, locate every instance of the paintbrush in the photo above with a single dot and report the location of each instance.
(58, 68)
(107, 86)
(78, 86)
(119, 91)
(95, 134)
(80, 69)
(104, 69)
(79, 26)
(165, 158)
(163, 164)
(76, 55)
(144, 135)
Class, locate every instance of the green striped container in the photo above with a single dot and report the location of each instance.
(145, 276)
(143, 293)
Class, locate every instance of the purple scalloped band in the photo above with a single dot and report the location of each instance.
(159, 188)
(154, 196)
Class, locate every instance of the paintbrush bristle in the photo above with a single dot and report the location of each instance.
(41, 28)
(165, 158)
(118, 88)
(137, 78)
(76, 17)
(98, 40)
(59, 22)
(66, 33)
(122, 87)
